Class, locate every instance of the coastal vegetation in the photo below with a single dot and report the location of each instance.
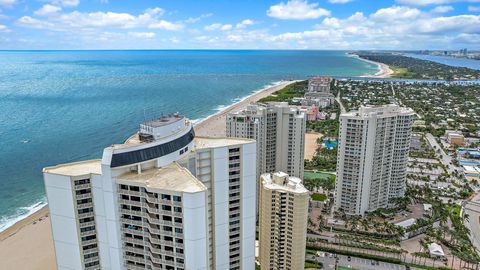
(439, 106)
(320, 197)
(412, 68)
(317, 180)
(325, 160)
(287, 93)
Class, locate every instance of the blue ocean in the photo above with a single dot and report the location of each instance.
(64, 106)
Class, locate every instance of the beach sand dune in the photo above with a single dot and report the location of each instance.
(28, 245)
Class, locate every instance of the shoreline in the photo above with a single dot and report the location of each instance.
(214, 125)
(384, 70)
(33, 233)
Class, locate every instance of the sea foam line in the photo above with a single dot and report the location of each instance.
(7, 222)
(220, 108)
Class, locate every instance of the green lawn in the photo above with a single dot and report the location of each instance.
(344, 268)
(401, 73)
(319, 197)
(313, 264)
(455, 209)
(317, 175)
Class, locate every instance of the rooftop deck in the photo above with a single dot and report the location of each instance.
(76, 168)
(210, 142)
(172, 177)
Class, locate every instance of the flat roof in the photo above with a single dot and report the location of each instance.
(163, 120)
(76, 168)
(172, 177)
(293, 184)
(406, 223)
(211, 142)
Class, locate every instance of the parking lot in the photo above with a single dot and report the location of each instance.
(355, 263)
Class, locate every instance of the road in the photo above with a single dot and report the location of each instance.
(472, 208)
(339, 101)
(355, 263)
(446, 159)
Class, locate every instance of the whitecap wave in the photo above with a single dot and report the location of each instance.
(22, 212)
(223, 107)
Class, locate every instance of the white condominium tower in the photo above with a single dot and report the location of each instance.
(282, 222)
(162, 200)
(279, 130)
(319, 84)
(372, 157)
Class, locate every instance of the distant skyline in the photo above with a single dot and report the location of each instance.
(247, 24)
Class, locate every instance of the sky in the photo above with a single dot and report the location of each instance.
(242, 24)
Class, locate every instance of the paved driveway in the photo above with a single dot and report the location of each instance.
(356, 263)
(472, 208)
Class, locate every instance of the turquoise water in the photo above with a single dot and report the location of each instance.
(330, 144)
(64, 106)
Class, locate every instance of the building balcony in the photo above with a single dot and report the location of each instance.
(86, 224)
(83, 196)
(84, 205)
(90, 251)
(82, 186)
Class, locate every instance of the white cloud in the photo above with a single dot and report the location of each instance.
(226, 27)
(95, 20)
(218, 26)
(166, 25)
(199, 18)
(432, 2)
(47, 10)
(396, 13)
(145, 35)
(394, 27)
(443, 25)
(297, 10)
(66, 3)
(339, 1)
(442, 9)
(474, 8)
(244, 23)
(7, 3)
(3, 28)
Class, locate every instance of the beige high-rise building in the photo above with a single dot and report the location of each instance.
(372, 157)
(279, 130)
(283, 222)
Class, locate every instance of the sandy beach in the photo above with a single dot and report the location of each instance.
(214, 125)
(28, 244)
(384, 70)
(311, 144)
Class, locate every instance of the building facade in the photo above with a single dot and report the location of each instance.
(164, 199)
(282, 222)
(374, 143)
(319, 84)
(279, 130)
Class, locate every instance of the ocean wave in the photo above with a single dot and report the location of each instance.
(24, 212)
(223, 107)
(21, 213)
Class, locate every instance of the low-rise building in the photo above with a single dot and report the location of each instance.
(455, 137)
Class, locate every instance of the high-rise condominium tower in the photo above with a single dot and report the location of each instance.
(282, 222)
(162, 200)
(372, 157)
(279, 130)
